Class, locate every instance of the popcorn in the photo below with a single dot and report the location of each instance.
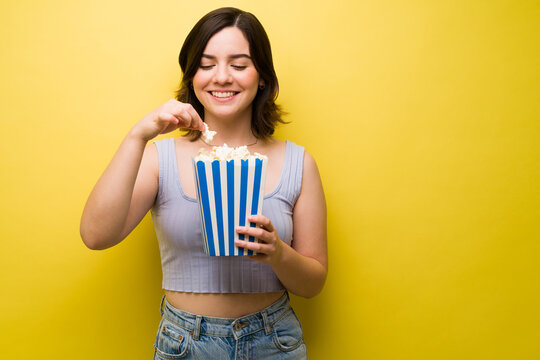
(227, 153)
(208, 134)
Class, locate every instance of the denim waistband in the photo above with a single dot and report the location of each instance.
(231, 327)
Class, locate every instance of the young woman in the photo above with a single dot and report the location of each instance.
(219, 307)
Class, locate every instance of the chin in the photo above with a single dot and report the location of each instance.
(226, 114)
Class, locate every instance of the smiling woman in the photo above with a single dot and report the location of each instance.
(227, 306)
(226, 83)
(254, 51)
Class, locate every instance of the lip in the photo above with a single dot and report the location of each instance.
(223, 99)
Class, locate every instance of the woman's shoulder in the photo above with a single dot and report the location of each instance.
(185, 144)
(302, 157)
(168, 143)
(275, 143)
(166, 146)
(272, 147)
(294, 150)
(182, 141)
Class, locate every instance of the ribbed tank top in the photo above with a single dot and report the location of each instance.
(176, 217)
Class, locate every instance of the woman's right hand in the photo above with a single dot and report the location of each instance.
(127, 188)
(167, 117)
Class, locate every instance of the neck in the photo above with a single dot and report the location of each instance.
(233, 132)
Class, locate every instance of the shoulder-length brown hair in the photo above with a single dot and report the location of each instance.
(265, 112)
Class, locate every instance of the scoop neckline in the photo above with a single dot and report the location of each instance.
(266, 196)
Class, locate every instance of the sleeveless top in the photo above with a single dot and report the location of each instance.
(176, 217)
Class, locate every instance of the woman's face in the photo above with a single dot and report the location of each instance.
(226, 82)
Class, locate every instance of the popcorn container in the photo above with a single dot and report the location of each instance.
(228, 191)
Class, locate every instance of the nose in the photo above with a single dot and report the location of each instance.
(222, 75)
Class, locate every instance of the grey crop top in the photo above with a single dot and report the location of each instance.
(178, 227)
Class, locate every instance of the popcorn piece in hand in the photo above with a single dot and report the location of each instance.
(208, 134)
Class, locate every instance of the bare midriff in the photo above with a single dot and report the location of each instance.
(228, 305)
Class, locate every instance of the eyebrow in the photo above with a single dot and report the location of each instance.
(235, 56)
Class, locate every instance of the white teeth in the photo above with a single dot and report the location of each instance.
(220, 94)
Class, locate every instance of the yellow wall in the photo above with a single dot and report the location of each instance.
(423, 117)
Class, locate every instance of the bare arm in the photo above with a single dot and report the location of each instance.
(115, 198)
(301, 268)
(127, 189)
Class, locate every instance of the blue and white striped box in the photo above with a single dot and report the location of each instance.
(228, 191)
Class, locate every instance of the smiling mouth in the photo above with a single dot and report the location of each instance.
(223, 94)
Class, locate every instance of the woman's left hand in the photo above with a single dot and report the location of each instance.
(269, 248)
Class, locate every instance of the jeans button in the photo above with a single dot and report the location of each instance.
(237, 326)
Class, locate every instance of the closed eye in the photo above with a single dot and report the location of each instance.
(239, 67)
(206, 67)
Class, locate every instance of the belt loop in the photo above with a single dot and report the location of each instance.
(267, 326)
(161, 305)
(197, 329)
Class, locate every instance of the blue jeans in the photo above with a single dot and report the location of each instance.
(273, 333)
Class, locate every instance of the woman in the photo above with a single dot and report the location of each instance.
(219, 307)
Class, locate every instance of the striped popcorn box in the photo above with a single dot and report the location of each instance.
(228, 191)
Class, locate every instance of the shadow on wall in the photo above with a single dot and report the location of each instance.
(309, 312)
(127, 281)
(146, 261)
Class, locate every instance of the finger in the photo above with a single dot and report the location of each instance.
(262, 221)
(185, 119)
(165, 116)
(256, 232)
(166, 120)
(260, 248)
(177, 109)
(188, 116)
(197, 123)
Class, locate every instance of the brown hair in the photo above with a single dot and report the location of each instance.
(265, 112)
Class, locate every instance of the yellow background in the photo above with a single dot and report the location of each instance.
(423, 117)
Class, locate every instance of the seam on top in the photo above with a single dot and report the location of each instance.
(161, 170)
(286, 162)
(176, 173)
(288, 155)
